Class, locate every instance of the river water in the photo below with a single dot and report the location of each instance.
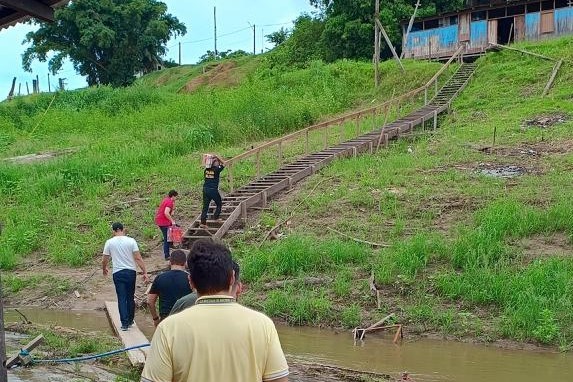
(424, 359)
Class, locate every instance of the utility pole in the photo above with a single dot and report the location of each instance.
(37, 84)
(179, 53)
(49, 87)
(215, 23)
(376, 44)
(254, 40)
(262, 39)
(3, 371)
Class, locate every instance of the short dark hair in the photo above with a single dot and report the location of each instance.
(210, 266)
(172, 193)
(178, 257)
(117, 226)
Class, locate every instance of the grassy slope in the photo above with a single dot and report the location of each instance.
(469, 255)
(141, 141)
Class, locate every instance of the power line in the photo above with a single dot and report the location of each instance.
(218, 36)
(274, 25)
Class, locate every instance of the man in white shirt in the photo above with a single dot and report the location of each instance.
(124, 254)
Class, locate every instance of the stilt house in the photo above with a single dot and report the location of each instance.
(484, 22)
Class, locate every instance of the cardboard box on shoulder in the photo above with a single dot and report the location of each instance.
(207, 160)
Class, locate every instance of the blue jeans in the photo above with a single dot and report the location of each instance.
(165, 242)
(124, 282)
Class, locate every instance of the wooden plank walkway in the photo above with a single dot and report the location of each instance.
(132, 337)
(259, 191)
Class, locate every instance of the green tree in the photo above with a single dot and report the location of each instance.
(349, 27)
(303, 45)
(278, 37)
(108, 41)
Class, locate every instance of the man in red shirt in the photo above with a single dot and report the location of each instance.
(164, 218)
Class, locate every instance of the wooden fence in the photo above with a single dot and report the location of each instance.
(384, 108)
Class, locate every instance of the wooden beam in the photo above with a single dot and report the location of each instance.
(410, 24)
(552, 78)
(31, 7)
(28, 348)
(131, 337)
(376, 45)
(523, 51)
(389, 43)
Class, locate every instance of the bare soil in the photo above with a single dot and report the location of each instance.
(219, 75)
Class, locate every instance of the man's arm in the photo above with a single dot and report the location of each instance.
(141, 264)
(104, 263)
(151, 300)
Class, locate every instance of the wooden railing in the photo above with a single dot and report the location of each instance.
(373, 111)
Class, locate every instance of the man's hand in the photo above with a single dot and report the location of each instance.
(145, 277)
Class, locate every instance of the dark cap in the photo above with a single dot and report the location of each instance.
(117, 226)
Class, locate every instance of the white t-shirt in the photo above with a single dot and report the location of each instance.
(121, 250)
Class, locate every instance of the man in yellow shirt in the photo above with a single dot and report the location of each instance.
(217, 339)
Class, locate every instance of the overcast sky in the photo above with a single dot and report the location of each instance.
(234, 21)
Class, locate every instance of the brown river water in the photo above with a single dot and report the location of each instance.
(424, 359)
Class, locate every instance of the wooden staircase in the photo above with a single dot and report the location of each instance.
(259, 191)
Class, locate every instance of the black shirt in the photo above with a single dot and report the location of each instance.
(211, 176)
(170, 286)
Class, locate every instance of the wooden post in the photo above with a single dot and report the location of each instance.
(230, 177)
(3, 370)
(383, 31)
(376, 44)
(410, 24)
(436, 87)
(435, 119)
(280, 153)
(425, 96)
(325, 130)
(341, 127)
(11, 93)
(358, 125)
(374, 118)
(258, 163)
(27, 88)
(306, 143)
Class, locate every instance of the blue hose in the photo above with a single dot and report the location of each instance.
(89, 357)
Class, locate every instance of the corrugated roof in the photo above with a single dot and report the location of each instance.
(10, 16)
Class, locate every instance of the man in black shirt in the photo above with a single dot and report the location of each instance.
(211, 190)
(169, 287)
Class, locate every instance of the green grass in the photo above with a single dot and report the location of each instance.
(141, 141)
(453, 261)
(452, 257)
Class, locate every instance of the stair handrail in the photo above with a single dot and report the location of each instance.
(356, 116)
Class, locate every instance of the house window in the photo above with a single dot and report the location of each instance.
(496, 13)
(533, 7)
(547, 22)
(480, 15)
(431, 24)
(516, 10)
(562, 3)
(453, 20)
(417, 26)
(547, 5)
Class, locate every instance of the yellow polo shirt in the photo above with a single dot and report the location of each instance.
(215, 340)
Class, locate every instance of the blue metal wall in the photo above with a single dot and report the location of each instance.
(478, 34)
(532, 24)
(445, 38)
(563, 21)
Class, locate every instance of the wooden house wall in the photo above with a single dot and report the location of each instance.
(445, 40)
(432, 41)
(564, 21)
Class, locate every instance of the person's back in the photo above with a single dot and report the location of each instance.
(217, 339)
(226, 341)
(121, 249)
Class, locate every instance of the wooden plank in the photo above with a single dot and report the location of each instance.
(31, 7)
(552, 78)
(131, 337)
(28, 348)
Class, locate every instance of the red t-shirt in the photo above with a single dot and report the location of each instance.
(160, 218)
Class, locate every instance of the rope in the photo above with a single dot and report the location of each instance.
(89, 357)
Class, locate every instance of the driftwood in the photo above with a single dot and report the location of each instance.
(301, 370)
(304, 280)
(359, 240)
(359, 333)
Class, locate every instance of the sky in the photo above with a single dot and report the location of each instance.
(235, 19)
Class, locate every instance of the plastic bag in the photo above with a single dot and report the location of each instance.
(175, 235)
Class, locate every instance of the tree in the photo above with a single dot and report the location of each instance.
(278, 37)
(107, 41)
(349, 27)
